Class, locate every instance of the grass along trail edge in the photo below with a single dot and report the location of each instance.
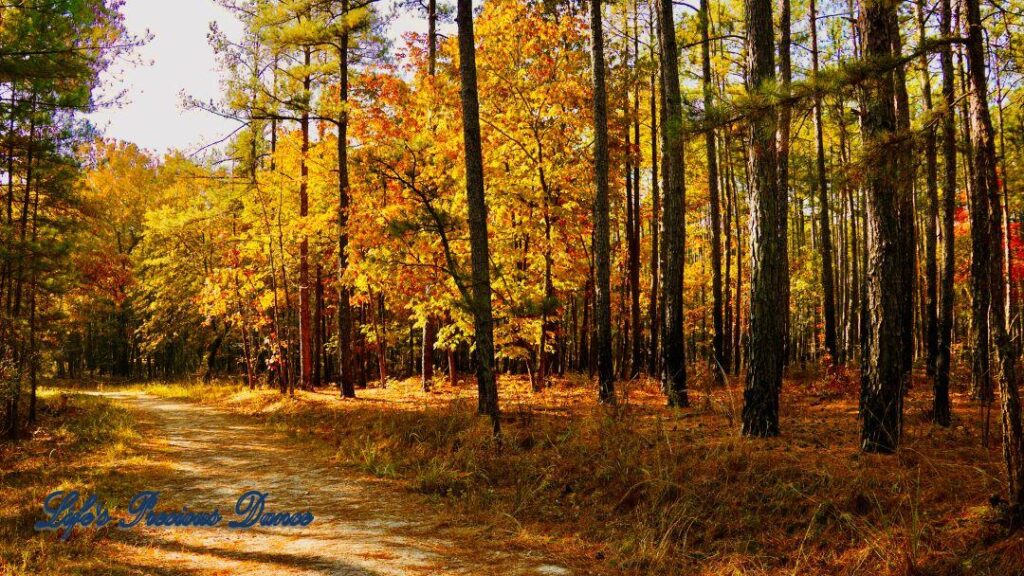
(641, 489)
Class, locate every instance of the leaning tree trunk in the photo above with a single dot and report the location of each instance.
(673, 215)
(883, 382)
(483, 320)
(769, 260)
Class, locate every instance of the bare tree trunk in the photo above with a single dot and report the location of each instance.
(654, 307)
(932, 216)
(431, 36)
(429, 323)
(483, 322)
(628, 362)
(427, 355)
(674, 215)
(785, 112)
(738, 353)
(346, 380)
(827, 275)
(727, 351)
(381, 336)
(717, 322)
(453, 372)
(318, 332)
(33, 336)
(768, 317)
(987, 193)
(600, 241)
(941, 405)
(883, 382)
(548, 324)
(637, 352)
(250, 377)
(852, 326)
(305, 331)
(905, 199)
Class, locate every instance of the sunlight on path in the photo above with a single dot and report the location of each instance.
(358, 530)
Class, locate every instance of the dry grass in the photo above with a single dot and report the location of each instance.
(81, 443)
(642, 489)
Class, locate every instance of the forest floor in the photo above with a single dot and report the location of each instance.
(412, 482)
(206, 458)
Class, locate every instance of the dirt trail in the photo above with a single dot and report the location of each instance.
(360, 528)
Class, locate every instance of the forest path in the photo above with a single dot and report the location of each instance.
(360, 527)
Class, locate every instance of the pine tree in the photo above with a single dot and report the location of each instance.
(768, 317)
(483, 321)
(884, 381)
(601, 249)
(673, 229)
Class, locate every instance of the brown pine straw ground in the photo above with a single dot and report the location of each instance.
(641, 489)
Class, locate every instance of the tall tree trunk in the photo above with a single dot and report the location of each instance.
(7, 275)
(883, 382)
(674, 215)
(738, 352)
(637, 352)
(453, 371)
(600, 241)
(346, 369)
(427, 353)
(653, 306)
(431, 36)
(977, 204)
(305, 320)
(320, 359)
(769, 252)
(628, 362)
(932, 216)
(727, 350)
(380, 333)
(483, 322)
(852, 330)
(785, 112)
(250, 377)
(429, 323)
(1012, 307)
(718, 339)
(940, 405)
(33, 337)
(987, 193)
(547, 323)
(827, 275)
(905, 198)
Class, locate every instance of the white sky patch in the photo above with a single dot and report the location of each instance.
(179, 60)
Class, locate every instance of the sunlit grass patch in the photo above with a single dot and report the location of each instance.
(83, 443)
(641, 489)
(194, 389)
